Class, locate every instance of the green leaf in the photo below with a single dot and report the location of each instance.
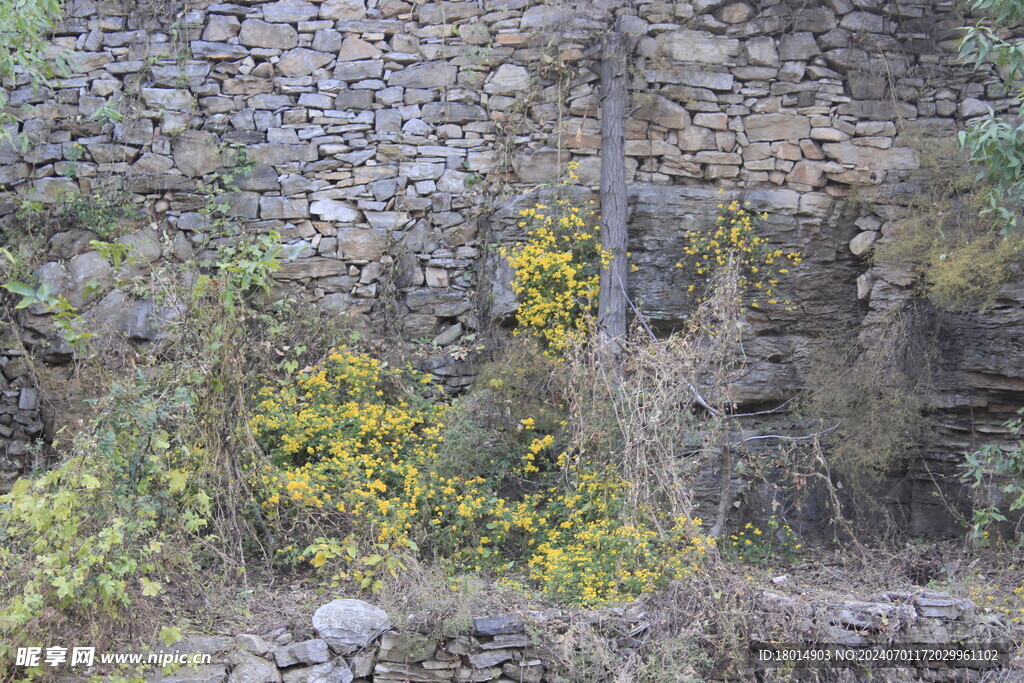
(170, 635)
(20, 288)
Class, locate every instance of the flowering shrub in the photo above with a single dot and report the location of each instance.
(353, 442)
(354, 447)
(585, 554)
(557, 269)
(89, 540)
(735, 239)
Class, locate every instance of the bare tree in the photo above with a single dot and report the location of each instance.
(611, 303)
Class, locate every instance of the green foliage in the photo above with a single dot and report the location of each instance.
(951, 245)
(968, 276)
(250, 262)
(997, 477)
(735, 239)
(755, 545)
(150, 491)
(872, 391)
(994, 144)
(88, 539)
(71, 326)
(356, 449)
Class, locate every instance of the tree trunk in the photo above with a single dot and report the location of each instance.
(611, 303)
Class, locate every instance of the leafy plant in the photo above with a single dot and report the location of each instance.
(755, 545)
(87, 540)
(109, 214)
(66, 319)
(996, 475)
(996, 145)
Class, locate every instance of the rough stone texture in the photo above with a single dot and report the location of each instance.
(306, 652)
(195, 153)
(348, 625)
(498, 648)
(258, 33)
(247, 668)
(372, 128)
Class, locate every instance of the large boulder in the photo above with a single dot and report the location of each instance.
(349, 625)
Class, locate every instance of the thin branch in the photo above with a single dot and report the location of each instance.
(788, 438)
(701, 401)
(764, 412)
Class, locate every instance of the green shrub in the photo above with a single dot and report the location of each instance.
(83, 543)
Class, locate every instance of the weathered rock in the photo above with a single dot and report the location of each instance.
(302, 62)
(289, 11)
(167, 98)
(863, 242)
(508, 79)
(329, 672)
(279, 207)
(248, 668)
(361, 244)
(252, 643)
(797, 46)
(271, 154)
(257, 33)
(359, 70)
(204, 673)
(429, 75)
(873, 158)
(662, 111)
(221, 27)
(89, 275)
(305, 652)
(352, 49)
(349, 625)
(698, 46)
(333, 210)
(769, 127)
(343, 9)
(134, 132)
(309, 268)
(196, 153)
(504, 624)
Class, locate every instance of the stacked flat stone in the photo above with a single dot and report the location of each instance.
(374, 130)
(498, 648)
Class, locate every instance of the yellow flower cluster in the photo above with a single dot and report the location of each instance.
(352, 442)
(354, 446)
(556, 269)
(584, 550)
(751, 544)
(994, 599)
(735, 240)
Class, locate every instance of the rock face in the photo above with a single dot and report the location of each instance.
(349, 625)
(368, 131)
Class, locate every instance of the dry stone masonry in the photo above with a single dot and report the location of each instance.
(394, 141)
(352, 641)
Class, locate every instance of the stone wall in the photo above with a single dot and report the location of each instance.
(395, 140)
(351, 641)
